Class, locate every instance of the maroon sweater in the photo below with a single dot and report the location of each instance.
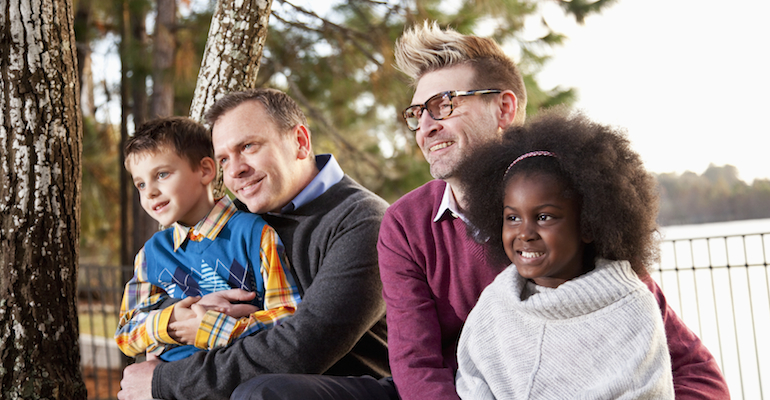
(432, 276)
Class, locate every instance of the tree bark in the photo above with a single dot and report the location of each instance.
(40, 148)
(233, 51)
(164, 49)
(232, 56)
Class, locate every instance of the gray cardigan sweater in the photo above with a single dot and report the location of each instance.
(339, 328)
(597, 336)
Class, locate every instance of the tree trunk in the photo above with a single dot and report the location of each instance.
(85, 75)
(164, 49)
(40, 135)
(143, 226)
(233, 51)
(125, 199)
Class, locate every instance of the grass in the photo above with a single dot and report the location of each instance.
(98, 324)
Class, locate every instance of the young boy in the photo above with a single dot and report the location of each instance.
(208, 246)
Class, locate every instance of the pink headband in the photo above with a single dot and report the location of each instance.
(528, 155)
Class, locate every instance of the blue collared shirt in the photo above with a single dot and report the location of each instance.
(329, 174)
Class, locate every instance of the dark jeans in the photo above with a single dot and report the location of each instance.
(315, 387)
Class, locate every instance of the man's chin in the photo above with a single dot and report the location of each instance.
(252, 205)
(442, 173)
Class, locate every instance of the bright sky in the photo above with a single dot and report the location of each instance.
(689, 79)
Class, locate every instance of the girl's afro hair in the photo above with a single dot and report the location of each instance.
(617, 197)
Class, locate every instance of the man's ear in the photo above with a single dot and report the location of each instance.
(508, 108)
(302, 137)
(208, 169)
(587, 238)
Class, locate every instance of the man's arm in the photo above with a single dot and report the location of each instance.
(342, 303)
(414, 334)
(696, 373)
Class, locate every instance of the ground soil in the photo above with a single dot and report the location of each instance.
(102, 384)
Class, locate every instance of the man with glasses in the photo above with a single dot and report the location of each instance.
(466, 92)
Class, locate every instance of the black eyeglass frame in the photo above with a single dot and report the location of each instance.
(424, 107)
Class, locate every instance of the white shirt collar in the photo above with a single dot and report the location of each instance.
(448, 204)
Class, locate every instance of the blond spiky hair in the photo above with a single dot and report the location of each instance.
(426, 48)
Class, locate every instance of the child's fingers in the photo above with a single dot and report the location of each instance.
(188, 301)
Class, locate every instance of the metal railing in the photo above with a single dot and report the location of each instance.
(720, 287)
(100, 289)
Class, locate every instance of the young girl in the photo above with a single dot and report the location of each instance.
(570, 317)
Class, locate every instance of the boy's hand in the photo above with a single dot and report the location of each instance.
(180, 319)
(182, 309)
(184, 330)
(226, 302)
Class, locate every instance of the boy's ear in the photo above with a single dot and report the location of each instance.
(208, 169)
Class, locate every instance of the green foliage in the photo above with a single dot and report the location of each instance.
(716, 195)
(341, 70)
(100, 208)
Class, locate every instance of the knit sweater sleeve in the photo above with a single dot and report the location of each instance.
(696, 372)
(414, 332)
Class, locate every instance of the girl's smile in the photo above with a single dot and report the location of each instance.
(541, 229)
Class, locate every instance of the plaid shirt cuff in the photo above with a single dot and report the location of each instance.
(215, 330)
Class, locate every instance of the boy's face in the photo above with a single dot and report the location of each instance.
(169, 189)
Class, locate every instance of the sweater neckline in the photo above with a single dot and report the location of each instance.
(609, 282)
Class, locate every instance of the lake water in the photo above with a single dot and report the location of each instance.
(715, 276)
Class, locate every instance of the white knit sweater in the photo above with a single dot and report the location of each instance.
(598, 336)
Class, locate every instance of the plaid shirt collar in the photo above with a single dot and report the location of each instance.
(209, 227)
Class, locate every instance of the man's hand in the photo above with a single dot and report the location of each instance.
(137, 380)
(222, 301)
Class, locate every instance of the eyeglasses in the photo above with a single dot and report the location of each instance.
(439, 106)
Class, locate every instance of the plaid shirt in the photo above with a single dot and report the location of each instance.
(144, 327)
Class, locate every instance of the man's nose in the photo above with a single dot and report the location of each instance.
(236, 167)
(428, 125)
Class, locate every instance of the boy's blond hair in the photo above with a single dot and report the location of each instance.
(426, 48)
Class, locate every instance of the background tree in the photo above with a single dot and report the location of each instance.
(40, 133)
(716, 195)
(163, 51)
